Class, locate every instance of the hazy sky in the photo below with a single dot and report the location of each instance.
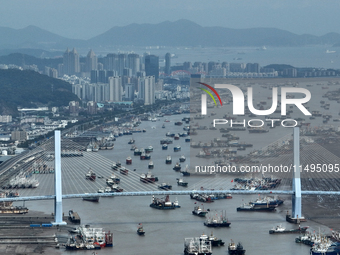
(83, 19)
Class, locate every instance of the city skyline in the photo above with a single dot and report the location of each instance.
(300, 17)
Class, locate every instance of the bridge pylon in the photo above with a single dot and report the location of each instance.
(296, 216)
(58, 201)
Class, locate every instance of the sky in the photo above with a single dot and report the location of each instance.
(84, 19)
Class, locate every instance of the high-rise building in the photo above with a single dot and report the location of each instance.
(18, 136)
(122, 59)
(129, 91)
(92, 107)
(252, 68)
(152, 66)
(167, 69)
(91, 61)
(149, 90)
(116, 89)
(111, 62)
(74, 108)
(133, 62)
(71, 62)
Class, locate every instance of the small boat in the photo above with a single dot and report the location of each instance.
(149, 177)
(168, 160)
(128, 160)
(91, 199)
(114, 178)
(116, 188)
(132, 141)
(90, 175)
(177, 167)
(147, 156)
(163, 126)
(236, 249)
(182, 183)
(176, 137)
(150, 166)
(182, 159)
(198, 211)
(164, 146)
(185, 172)
(281, 230)
(140, 230)
(142, 155)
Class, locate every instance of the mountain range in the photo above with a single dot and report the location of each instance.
(178, 33)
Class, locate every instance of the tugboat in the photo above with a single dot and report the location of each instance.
(150, 166)
(215, 221)
(198, 211)
(177, 167)
(236, 250)
(128, 160)
(164, 146)
(140, 230)
(195, 246)
(281, 230)
(182, 159)
(90, 175)
(212, 239)
(182, 183)
(168, 160)
(161, 204)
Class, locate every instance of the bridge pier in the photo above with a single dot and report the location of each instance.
(296, 216)
(58, 201)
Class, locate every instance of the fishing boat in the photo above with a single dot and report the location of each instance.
(128, 160)
(212, 239)
(282, 230)
(90, 175)
(165, 186)
(177, 148)
(150, 165)
(149, 177)
(140, 230)
(182, 183)
(182, 159)
(177, 167)
(236, 249)
(164, 146)
(123, 170)
(213, 220)
(199, 211)
(132, 141)
(195, 246)
(253, 208)
(168, 160)
(91, 198)
(149, 149)
(163, 204)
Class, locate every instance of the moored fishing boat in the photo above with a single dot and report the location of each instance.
(195, 246)
(212, 239)
(199, 211)
(90, 175)
(168, 160)
(177, 167)
(149, 177)
(164, 146)
(182, 159)
(282, 230)
(123, 170)
(128, 160)
(216, 221)
(163, 204)
(182, 183)
(236, 249)
(151, 165)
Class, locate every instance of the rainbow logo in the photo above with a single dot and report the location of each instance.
(209, 93)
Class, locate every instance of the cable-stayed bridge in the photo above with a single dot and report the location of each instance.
(319, 173)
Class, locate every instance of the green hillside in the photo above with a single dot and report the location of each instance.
(31, 89)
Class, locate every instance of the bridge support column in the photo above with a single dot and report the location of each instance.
(296, 216)
(58, 203)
